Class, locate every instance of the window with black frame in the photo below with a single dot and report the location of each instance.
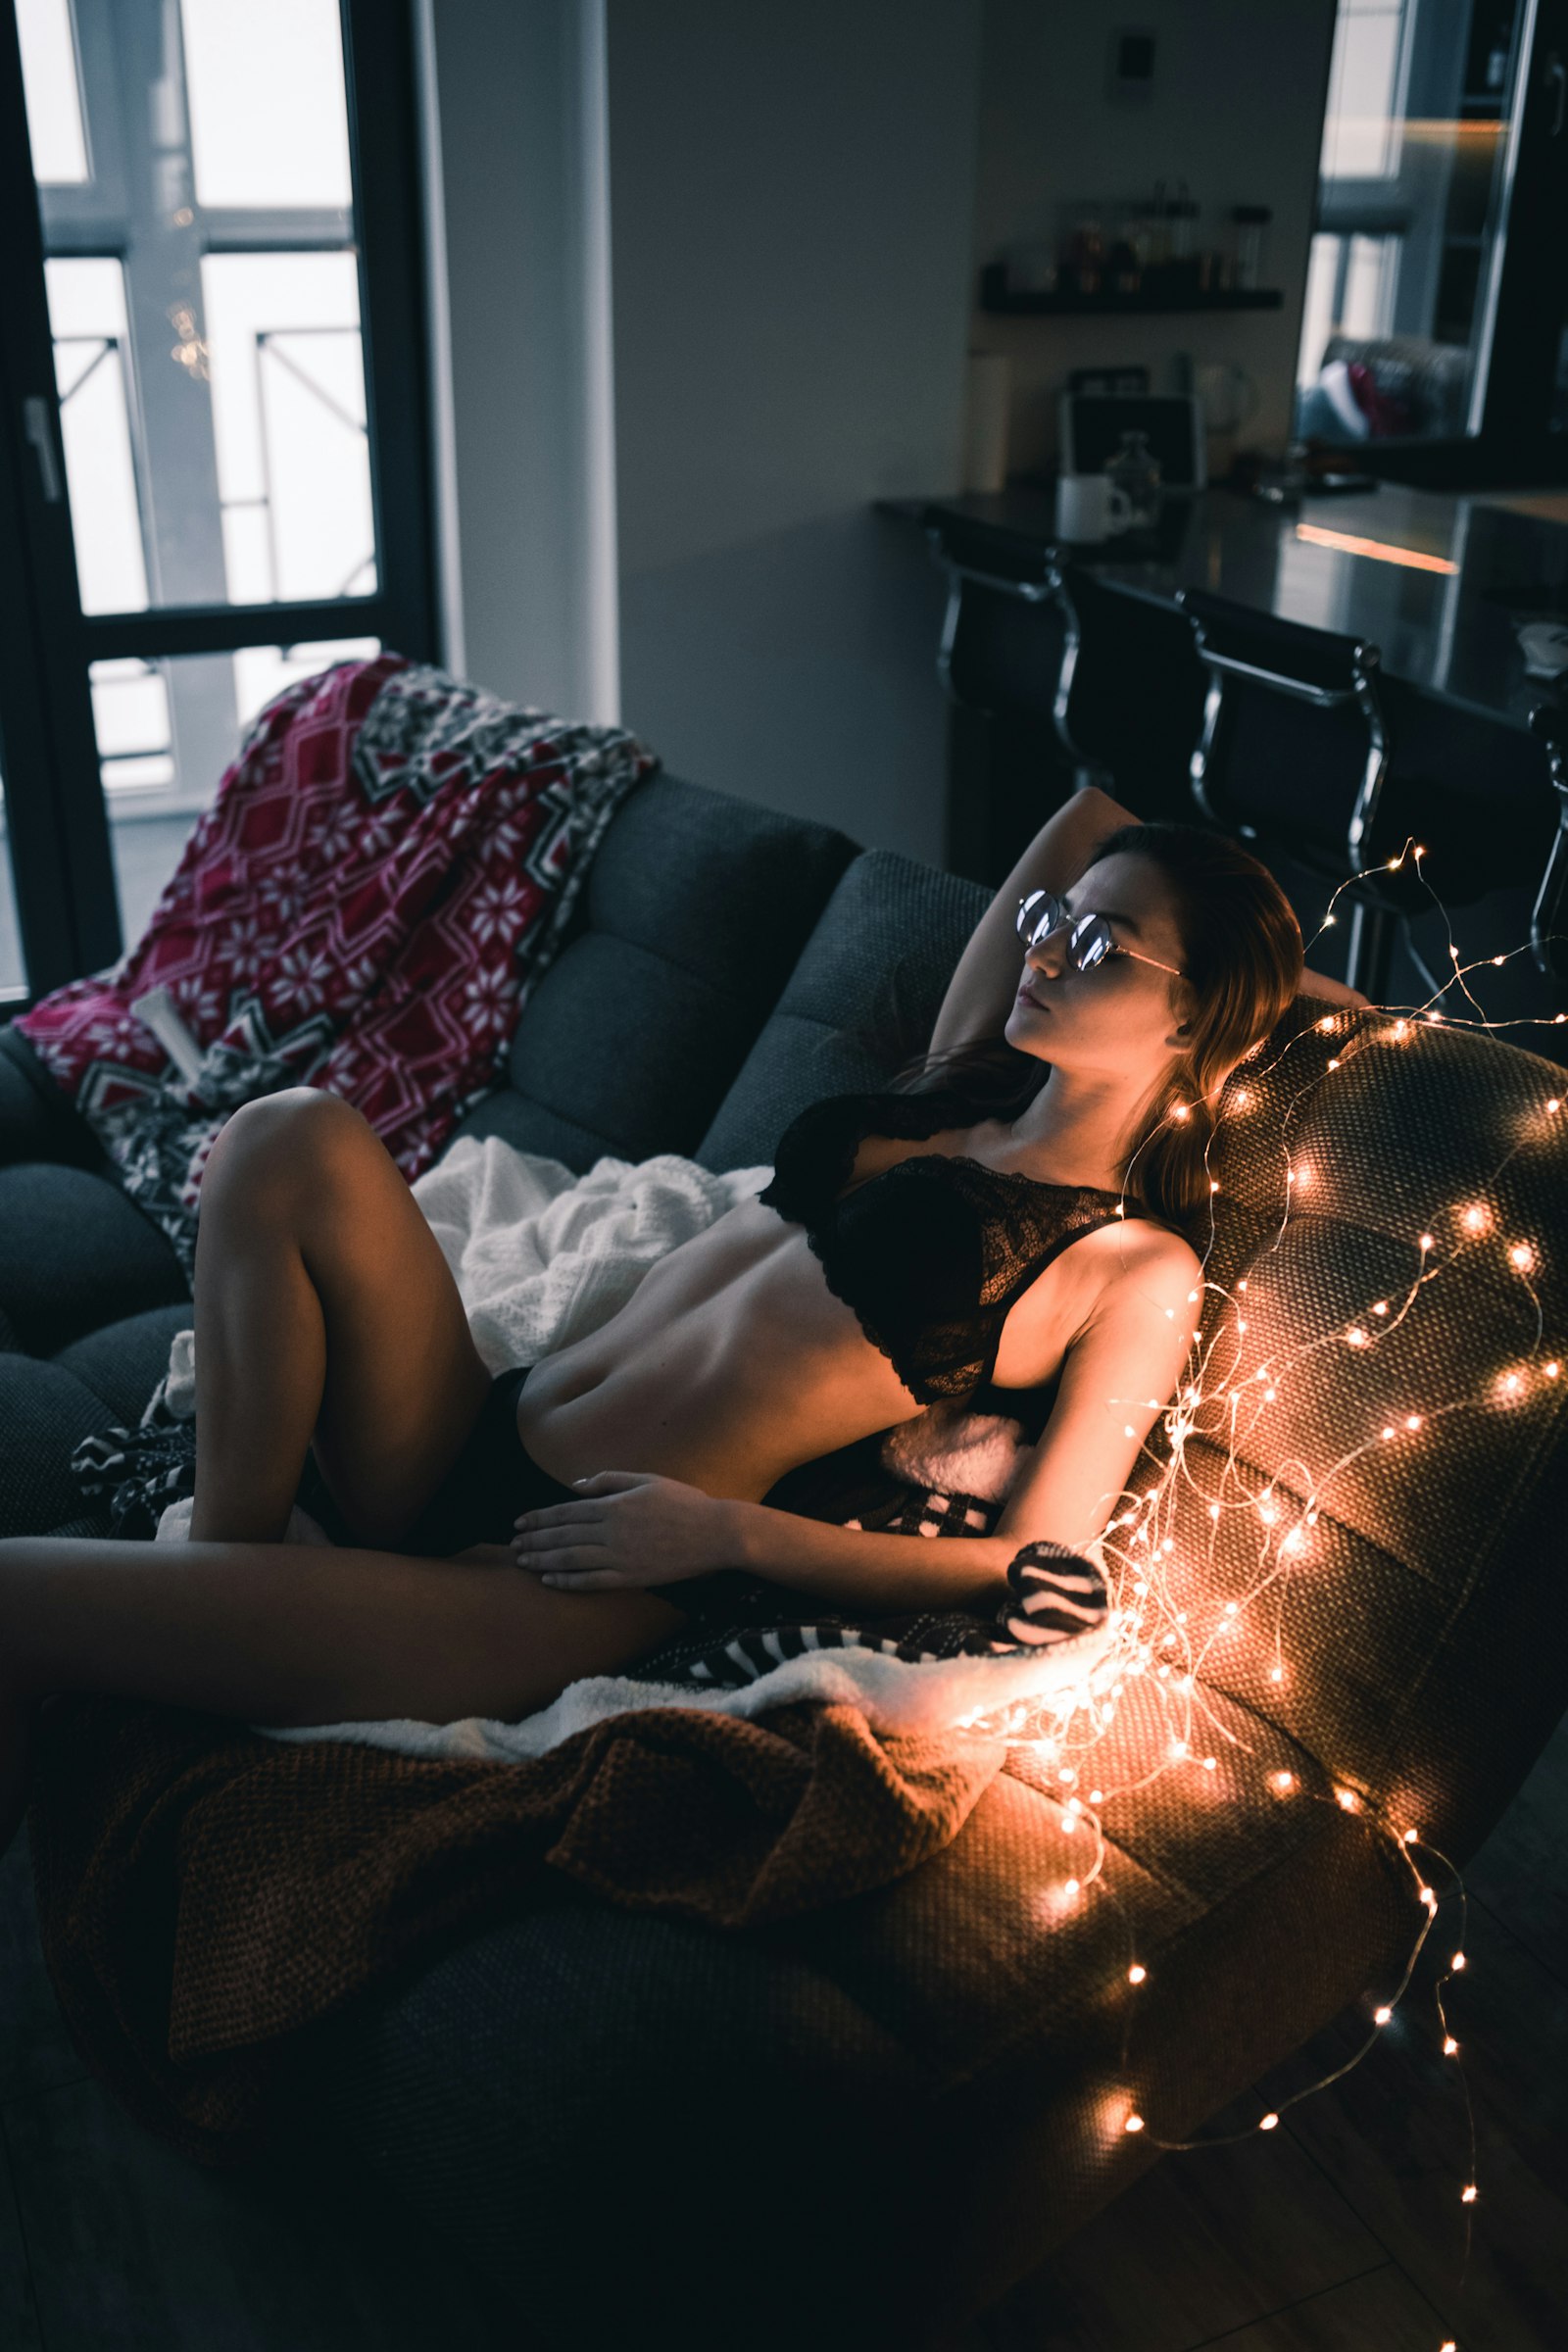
(213, 370)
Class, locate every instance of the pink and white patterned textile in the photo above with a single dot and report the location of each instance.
(385, 871)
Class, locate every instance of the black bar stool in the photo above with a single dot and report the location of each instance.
(1294, 753)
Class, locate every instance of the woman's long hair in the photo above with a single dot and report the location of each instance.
(1241, 947)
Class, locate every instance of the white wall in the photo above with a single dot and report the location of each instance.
(791, 193)
(1236, 112)
(518, 260)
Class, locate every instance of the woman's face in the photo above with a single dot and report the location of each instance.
(1120, 1017)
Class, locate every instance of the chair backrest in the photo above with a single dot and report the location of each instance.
(1293, 744)
(1411, 1394)
(861, 1000)
(695, 912)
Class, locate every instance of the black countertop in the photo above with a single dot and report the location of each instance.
(1438, 582)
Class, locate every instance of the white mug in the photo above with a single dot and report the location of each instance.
(1089, 506)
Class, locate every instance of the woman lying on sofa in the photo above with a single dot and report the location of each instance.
(1012, 1214)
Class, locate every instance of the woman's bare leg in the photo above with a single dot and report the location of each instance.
(326, 1315)
(288, 1634)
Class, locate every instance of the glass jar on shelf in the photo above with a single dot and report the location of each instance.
(1248, 244)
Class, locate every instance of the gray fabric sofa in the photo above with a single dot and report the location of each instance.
(862, 2127)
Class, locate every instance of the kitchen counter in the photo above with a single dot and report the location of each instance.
(1439, 583)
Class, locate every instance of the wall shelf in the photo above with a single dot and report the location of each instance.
(996, 298)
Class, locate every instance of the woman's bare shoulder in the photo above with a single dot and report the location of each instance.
(1141, 1252)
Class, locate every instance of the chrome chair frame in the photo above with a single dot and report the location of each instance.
(1548, 917)
(1052, 588)
(1370, 936)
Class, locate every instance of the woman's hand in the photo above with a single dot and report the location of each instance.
(629, 1528)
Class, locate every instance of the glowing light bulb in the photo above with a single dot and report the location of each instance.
(1268, 2123)
(1242, 1285)
(1176, 1750)
(1242, 1097)
(1180, 1110)
(1276, 1674)
(1348, 1800)
(1428, 1896)
(1521, 1256)
(1475, 1218)
(1136, 1974)
(1510, 1384)
(1269, 1395)
(1214, 1510)
(1412, 1420)
(1213, 1185)
(1268, 1513)
(1467, 2194)
(1334, 1061)
(1293, 1542)
(1134, 2123)
(1550, 1370)
(1451, 2048)
(1326, 1025)
(1210, 1764)
(1380, 2016)
(1231, 1607)
(1388, 1433)
(1381, 1308)
(1410, 1837)
(1356, 1336)
(1555, 1104)
(1426, 1240)
(1457, 1961)
(1069, 1886)
(1401, 1028)
(1282, 1783)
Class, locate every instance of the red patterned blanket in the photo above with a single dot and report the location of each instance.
(383, 875)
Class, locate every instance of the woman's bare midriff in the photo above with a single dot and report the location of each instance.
(733, 1362)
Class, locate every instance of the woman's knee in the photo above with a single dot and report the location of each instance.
(287, 1148)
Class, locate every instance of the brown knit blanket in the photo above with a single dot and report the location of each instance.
(205, 1892)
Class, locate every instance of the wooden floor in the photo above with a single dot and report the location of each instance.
(1342, 2231)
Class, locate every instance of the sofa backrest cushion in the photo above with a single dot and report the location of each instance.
(863, 1000)
(693, 913)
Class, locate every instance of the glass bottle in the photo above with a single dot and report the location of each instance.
(1134, 469)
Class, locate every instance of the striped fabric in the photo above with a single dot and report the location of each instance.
(1056, 1598)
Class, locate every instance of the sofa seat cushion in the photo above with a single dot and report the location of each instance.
(696, 907)
(863, 1000)
(123, 1362)
(75, 1254)
(45, 1412)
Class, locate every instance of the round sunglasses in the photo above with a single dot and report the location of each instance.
(1088, 936)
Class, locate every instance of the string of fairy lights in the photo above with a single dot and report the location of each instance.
(1158, 1648)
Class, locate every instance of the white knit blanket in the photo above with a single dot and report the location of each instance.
(540, 1257)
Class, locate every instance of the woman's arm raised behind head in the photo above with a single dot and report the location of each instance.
(985, 980)
(981, 991)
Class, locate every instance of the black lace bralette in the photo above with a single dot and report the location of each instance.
(932, 1253)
